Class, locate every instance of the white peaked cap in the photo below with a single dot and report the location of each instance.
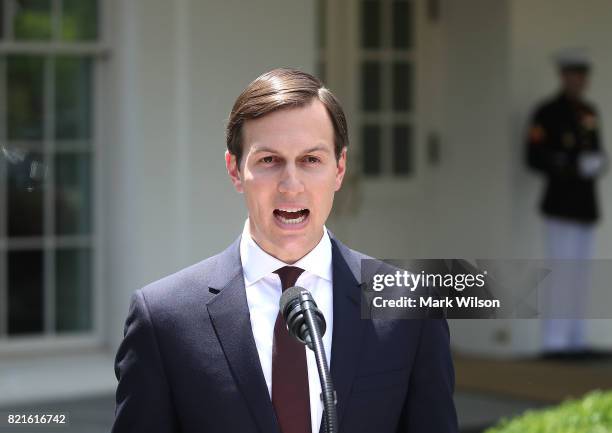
(572, 57)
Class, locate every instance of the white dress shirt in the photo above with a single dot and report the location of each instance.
(263, 292)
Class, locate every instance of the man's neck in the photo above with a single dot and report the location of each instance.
(289, 259)
(281, 254)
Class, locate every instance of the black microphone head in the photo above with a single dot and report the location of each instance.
(289, 296)
(291, 306)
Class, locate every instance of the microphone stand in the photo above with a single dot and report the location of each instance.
(328, 395)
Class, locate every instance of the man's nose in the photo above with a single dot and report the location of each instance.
(290, 181)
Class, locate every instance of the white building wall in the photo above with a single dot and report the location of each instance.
(471, 217)
(178, 67)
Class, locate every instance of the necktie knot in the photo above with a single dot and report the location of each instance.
(288, 275)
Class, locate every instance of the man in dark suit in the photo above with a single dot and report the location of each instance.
(205, 349)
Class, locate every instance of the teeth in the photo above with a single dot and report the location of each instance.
(291, 210)
(291, 221)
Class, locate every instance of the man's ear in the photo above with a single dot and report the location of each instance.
(340, 168)
(233, 170)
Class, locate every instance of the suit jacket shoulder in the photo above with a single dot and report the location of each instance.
(199, 282)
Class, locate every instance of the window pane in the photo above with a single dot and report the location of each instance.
(25, 97)
(372, 158)
(79, 20)
(73, 194)
(25, 292)
(25, 196)
(402, 24)
(73, 301)
(32, 19)
(402, 86)
(73, 88)
(371, 86)
(2, 35)
(402, 150)
(370, 24)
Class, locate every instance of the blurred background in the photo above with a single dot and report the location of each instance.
(112, 116)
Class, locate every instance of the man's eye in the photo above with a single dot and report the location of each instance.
(312, 159)
(267, 159)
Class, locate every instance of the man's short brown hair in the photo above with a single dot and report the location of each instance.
(277, 89)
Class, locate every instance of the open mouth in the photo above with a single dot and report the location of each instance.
(291, 216)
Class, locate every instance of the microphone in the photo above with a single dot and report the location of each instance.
(293, 303)
(306, 323)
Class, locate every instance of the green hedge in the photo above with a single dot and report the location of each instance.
(590, 414)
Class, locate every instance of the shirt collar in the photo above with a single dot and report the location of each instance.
(256, 263)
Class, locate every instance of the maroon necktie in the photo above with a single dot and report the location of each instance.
(290, 396)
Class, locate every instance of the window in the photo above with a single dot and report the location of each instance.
(385, 74)
(50, 53)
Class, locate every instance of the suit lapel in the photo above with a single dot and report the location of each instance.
(229, 313)
(348, 327)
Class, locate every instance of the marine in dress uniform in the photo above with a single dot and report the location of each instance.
(564, 145)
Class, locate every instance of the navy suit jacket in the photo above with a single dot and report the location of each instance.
(188, 361)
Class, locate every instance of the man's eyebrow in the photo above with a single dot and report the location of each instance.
(264, 149)
(319, 148)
